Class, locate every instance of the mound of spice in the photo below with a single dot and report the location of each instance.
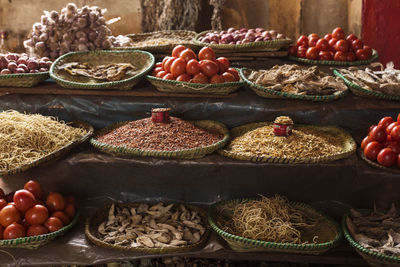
(146, 135)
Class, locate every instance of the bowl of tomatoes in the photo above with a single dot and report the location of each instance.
(333, 49)
(186, 72)
(381, 147)
(29, 218)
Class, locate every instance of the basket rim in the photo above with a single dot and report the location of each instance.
(360, 248)
(393, 169)
(23, 75)
(356, 87)
(102, 84)
(374, 57)
(140, 34)
(129, 151)
(287, 246)
(261, 88)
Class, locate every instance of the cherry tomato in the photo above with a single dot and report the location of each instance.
(24, 200)
(38, 214)
(168, 63)
(158, 64)
(70, 200)
(313, 41)
(293, 50)
(350, 56)
(342, 45)
(208, 67)
(34, 230)
(302, 41)
(313, 35)
(70, 211)
(178, 67)
(161, 74)
(328, 36)
(378, 133)
(164, 61)
(2, 195)
(192, 67)
(3, 203)
(365, 141)
(53, 224)
(177, 50)
(340, 56)
(312, 53)
(156, 70)
(322, 45)
(372, 150)
(199, 78)
(332, 42)
(394, 146)
(1, 232)
(228, 77)
(217, 79)
(35, 188)
(356, 44)
(371, 127)
(368, 51)
(55, 201)
(386, 157)
(338, 33)
(14, 230)
(10, 196)
(390, 127)
(183, 78)
(301, 51)
(235, 73)
(395, 133)
(168, 76)
(62, 216)
(385, 122)
(223, 64)
(206, 53)
(361, 55)
(351, 37)
(187, 55)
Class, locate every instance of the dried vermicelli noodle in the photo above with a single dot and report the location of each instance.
(25, 138)
(268, 219)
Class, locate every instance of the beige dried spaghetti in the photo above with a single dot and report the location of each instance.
(25, 138)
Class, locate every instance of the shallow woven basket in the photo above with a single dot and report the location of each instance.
(348, 144)
(23, 79)
(360, 91)
(393, 169)
(273, 45)
(101, 215)
(170, 86)
(270, 93)
(373, 258)
(144, 61)
(33, 242)
(184, 38)
(327, 230)
(56, 154)
(336, 63)
(212, 126)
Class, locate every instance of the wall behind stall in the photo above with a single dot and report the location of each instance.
(292, 17)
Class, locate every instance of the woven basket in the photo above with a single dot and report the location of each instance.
(144, 61)
(336, 63)
(170, 86)
(273, 45)
(393, 169)
(360, 91)
(56, 154)
(213, 126)
(327, 230)
(23, 79)
(101, 215)
(373, 258)
(33, 242)
(348, 144)
(270, 93)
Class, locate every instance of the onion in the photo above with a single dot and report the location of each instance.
(6, 71)
(238, 42)
(22, 60)
(3, 62)
(280, 36)
(33, 64)
(206, 40)
(250, 36)
(19, 70)
(48, 64)
(231, 30)
(43, 70)
(243, 30)
(12, 57)
(273, 33)
(251, 31)
(24, 67)
(213, 42)
(214, 38)
(33, 71)
(268, 38)
(260, 29)
(266, 34)
(245, 41)
(259, 39)
(233, 42)
(222, 33)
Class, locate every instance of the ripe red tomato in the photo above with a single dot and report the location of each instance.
(35, 188)
(53, 224)
(70, 200)
(395, 133)
(342, 45)
(312, 53)
(187, 55)
(164, 61)
(301, 51)
(235, 73)
(208, 67)
(14, 230)
(385, 122)
(168, 76)
(365, 141)
(55, 201)
(293, 50)
(361, 55)
(223, 64)
(390, 127)
(161, 74)
(2, 195)
(70, 211)
(24, 200)
(3, 203)
(183, 78)
(156, 70)
(372, 150)
(217, 79)
(356, 44)
(368, 50)
(338, 33)
(322, 45)
(340, 56)
(302, 41)
(168, 63)
(351, 37)
(394, 146)
(386, 157)
(158, 64)
(192, 67)
(38, 214)
(312, 41)
(332, 42)
(378, 133)
(228, 77)
(62, 216)
(313, 35)
(350, 56)
(328, 36)
(206, 53)
(199, 78)
(177, 50)
(34, 230)
(178, 67)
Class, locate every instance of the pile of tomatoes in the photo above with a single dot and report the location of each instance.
(334, 46)
(382, 144)
(27, 212)
(184, 66)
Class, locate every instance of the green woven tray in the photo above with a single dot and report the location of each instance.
(273, 45)
(170, 86)
(56, 154)
(328, 231)
(360, 91)
(349, 145)
(373, 258)
(270, 93)
(336, 63)
(93, 222)
(33, 242)
(393, 169)
(23, 79)
(181, 154)
(144, 61)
